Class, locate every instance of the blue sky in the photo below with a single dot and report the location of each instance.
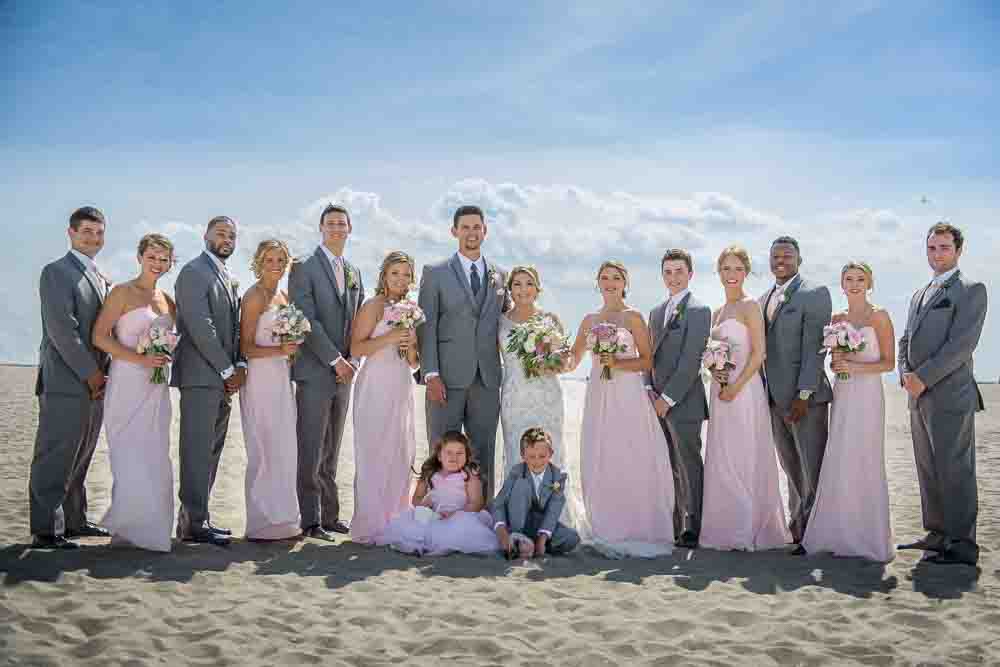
(586, 130)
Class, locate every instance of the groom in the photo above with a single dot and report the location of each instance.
(70, 387)
(680, 327)
(795, 312)
(935, 367)
(329, 291)
(460, 360)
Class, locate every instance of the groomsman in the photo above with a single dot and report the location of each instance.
(70, 387)
(329, 291)
(680, 327)
(462, 298)
(208, 370)
(935, 367)
(796, 310)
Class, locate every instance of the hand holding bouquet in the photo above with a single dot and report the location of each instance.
(404, 314)
(290, 326)
(158, 341)
(607, 338)
(539, 345)
(843, 337)
(718, 357)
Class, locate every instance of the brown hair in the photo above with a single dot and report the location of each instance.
(86, 214)
(739, 252)
(265, 246)
(677, 254)
(468, 209)
(618, 266)
(219, 220)
(394, 257)
(947, 228)
(534, 435)
(334, 208)
(864, 267)
(156, 240)
(433, 464)
(525, 268)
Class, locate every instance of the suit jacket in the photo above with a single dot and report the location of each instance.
(795, 357)
(208, 321)
(312, 286)
(71, 298)
(677, 350)
(517, 498)
(939, 340)
(460, 334)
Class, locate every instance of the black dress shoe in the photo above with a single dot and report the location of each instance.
(88, 529)
(318, 533)
(951, 557)
(220, 531)
(687, 540)
(52, 542)
(204, 535)
(928, 543)
(799, 550)
(337, 526)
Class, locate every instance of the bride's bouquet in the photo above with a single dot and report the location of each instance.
(158, 339)
(843, 337)
(718, 356)
(539, 345)
(404, 314)
(607, 338)
(290, 325)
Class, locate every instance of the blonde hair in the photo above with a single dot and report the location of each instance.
(394, 257)
(265, 246)
(158, 241)
(737, 251)
(618, 266)
(525, 268)
(864, 267)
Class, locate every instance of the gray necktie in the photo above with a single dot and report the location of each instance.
(474, 280)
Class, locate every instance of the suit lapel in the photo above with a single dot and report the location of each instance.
(91, 278)
(546, 489)
(788, 294)
(463, 280)
(922, 311)
(222, 281)
(659, 330)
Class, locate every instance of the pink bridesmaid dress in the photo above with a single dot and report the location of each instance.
(742, 507)
(137, 425)
(385, 440)
(465, 532)
(267, 410)
(851, 515)
(625, 473)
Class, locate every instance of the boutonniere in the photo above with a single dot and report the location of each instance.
(679, 311)
(496, 281)
(352, 279)
(555, 487)
(235, 284)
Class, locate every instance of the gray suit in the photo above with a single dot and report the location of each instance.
(795, 362)
(523, 512)
(69, 422)
(937, 345)
(208, 320)
(677, 350)
(459, 341)
(322, 404)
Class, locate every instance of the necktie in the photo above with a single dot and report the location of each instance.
(474, 280)
(670, 313)
(338, 270)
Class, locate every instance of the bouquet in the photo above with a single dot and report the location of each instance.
(405, 314)
(290, 325)
(158, 339)
(607, 338)
(842, 337)
(539, 344)
(718, 356)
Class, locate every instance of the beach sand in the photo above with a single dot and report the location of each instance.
(310, 602)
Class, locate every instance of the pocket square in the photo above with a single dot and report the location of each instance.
(943, 303)
(791, 309)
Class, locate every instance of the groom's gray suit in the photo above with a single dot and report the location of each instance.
(69, 422)
(676, 373)
(940, 337)
(208, 321)
(322, 404)
(459, 342)
(795, 363)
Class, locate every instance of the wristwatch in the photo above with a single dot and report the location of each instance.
(805, 394)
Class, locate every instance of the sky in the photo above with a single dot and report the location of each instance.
(585, 130)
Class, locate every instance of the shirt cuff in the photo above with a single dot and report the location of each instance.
(228, 373)
(671, 402)
(432, 374)
(805, 394)
(498, 524)
(545, 533)
(333, 364)
(648, 387)
(241, 364)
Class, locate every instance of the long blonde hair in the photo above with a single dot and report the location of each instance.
(394, 257)
(265, 246)
(864, 267)
(618, 266)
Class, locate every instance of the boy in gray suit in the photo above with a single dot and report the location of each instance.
(70, 387)
(526, 511)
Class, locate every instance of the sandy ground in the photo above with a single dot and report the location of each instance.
(316, 603)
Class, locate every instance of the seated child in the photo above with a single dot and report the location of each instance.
(526, 511)
(447, 513)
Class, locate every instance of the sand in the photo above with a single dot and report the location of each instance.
(310, 602)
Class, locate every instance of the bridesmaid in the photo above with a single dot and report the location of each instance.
(385, 441)
(136, 411)
(851, 514)
(625, 472)
(742, 505)
(267, 403)
(527, 403)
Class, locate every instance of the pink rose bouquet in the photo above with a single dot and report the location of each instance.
(843, 337)
(404, 314)
(157, 340)
(607, 338)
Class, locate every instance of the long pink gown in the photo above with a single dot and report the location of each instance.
(851, 514)
(625, 473)
(385, 440)
(267, 409)
(742, 506)
(466, 532)
(137, 426)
